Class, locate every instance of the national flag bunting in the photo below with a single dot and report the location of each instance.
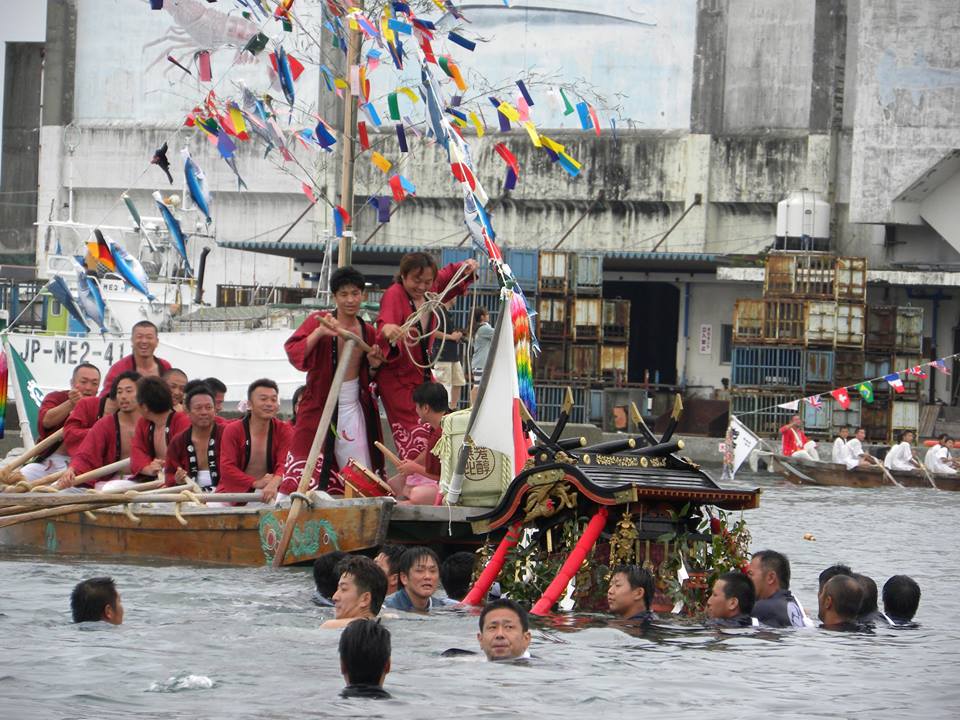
(842, 397)
(894, 381)
(917, 371)
(941, 366)
(866, 391)
(815, 401)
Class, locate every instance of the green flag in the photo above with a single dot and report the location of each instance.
(866, 391)
(29, 394)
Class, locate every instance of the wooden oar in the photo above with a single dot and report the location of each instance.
(927, 473)
(318, 440)
(346, 334)
(394, 460)
(7, 471)
(883, 469)
(28, 485)
(74, 508)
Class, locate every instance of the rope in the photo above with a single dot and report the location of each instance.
(431, 304)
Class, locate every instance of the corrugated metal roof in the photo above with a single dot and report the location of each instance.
(663, 256)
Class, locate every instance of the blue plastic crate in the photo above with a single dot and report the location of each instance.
(767, 367)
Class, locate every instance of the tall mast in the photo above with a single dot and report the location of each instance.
(345, 250)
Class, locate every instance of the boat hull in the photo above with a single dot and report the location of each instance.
(214, 536)
(805, 472)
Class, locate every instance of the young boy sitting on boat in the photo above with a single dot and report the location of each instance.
(316, 348)
(417, 481)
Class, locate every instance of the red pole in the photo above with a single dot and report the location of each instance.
(480, 588)
(573, 562)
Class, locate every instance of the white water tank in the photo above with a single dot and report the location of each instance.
(803, 214)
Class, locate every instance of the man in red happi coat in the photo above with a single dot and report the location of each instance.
(54, 411)
(158, 424)
(255, 448)
(317, 349)
(144, 337)
(110, 438)
(408, 361)
(195, 453)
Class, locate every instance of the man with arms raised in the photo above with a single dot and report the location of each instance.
(110, 438)
(795, 442)
(775, 606)
(360, 592)
(316, 348)
(158, 424)
(731, 601)
(195, 452)
(144, 337)
(96, 599)
(54, 411)
(630, 594)
(419, 578)
(839, 603)
(504, 630)
(255, 447)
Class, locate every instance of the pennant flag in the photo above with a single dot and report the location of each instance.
(497, 400)
(866, 391)
(918, 372)
(100, 252)
(941, 366)
(894, 381)
(743, 441)
(29, 395)
(383, 209)
(401, 138)
(462, 42)
(362, 135)
(793, 405)
(584, 113)
(567, 107)
(397, 188)
(814, 401)
(381, 162)
(842, 397)
(308, 191)
(525, 93)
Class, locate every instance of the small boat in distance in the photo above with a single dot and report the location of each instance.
(807, 472)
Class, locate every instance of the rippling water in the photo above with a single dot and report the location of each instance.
(245, 643)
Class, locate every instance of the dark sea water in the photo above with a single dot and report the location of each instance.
(246, 643)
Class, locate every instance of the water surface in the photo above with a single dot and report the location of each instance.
(245, 643)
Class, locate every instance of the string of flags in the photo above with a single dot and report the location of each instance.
(865, 388)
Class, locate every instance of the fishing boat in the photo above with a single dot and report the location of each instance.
(808, 472)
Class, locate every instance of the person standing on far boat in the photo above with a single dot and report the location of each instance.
(144, 337)
(448, 369)
(54, 412)
(901, 456)
(254, 448)
(158, 424)
(408, 357)
(482, 339)
(795, 442)
(938, 459)
(775, 605)
(316, 348)
(195, 452)
(110, 438)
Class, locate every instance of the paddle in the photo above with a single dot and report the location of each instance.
(7, 471)
(175, 495)
(886, 472)
(28, 485)
(318, 439)
(927, 473)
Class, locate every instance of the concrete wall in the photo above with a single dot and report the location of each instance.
(908, 98)
(22, 22)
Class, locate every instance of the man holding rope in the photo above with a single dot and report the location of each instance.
(407, 324)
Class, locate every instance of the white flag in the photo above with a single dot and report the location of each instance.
(792, 405)
(743, 441)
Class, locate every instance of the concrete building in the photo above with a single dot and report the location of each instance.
(721, 108)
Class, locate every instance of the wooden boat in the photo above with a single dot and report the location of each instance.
(239, 536)
(807, 472)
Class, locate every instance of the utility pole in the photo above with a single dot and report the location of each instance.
(354, 42)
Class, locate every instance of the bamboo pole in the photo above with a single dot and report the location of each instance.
(28, 485)
(115, 467)
(318, 440)
(7, 470)
(51, 512)
(60, 499)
